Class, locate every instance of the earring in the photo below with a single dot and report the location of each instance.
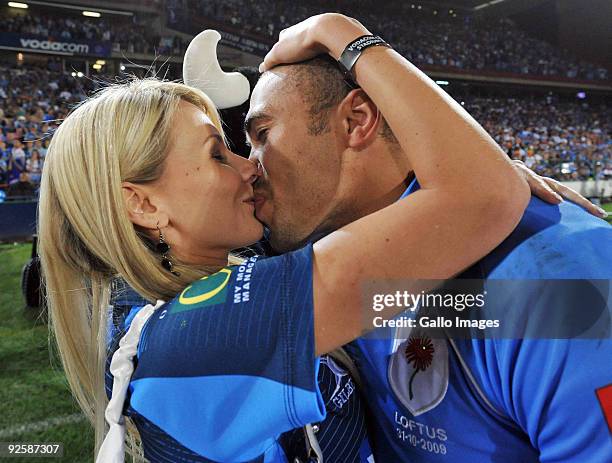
(162, 247)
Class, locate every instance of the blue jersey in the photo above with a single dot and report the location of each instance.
(503, 400)
(227, 366)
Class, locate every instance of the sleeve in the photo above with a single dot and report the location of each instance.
(553, 382)
(559, 391)
(229, 364)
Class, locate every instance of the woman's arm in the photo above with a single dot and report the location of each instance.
(470, 197)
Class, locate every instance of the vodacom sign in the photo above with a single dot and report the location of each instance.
(69, 47)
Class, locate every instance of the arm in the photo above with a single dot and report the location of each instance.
(461, 169)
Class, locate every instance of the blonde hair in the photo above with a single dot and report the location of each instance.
(85, 236)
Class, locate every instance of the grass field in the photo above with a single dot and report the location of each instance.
(37, 405)
(34, 394)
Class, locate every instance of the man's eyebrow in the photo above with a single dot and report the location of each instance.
(253, 119)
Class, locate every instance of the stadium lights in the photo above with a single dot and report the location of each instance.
(79, 74)
(56, 4)
(97, 66)
(92, 14)
(18, 5)
(442, 82)
(122, 68)
(101, 62)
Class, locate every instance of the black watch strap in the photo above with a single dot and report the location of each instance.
(353, 51)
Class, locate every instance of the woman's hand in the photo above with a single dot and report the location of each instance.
(324, 33)
(554, 192)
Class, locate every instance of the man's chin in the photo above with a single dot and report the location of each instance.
(261, 219)
(263, 211)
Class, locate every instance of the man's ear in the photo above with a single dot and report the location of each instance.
(141, 209)
(361, 119)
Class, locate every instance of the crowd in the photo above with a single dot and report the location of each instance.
(446, 40)
(560, 139)
(130, 36)
(450, 41)
(32, 101)
(557, 138)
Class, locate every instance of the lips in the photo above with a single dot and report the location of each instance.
(259, 202)
(250, 201)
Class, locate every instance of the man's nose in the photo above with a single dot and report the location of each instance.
(253, 156)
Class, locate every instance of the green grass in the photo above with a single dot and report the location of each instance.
(608, 208)
(32, 385)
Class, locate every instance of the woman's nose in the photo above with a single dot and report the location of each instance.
(250, 171)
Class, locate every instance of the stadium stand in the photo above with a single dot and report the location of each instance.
(32, 100)
(132, 35)
(553, 133)
(558, 138)
(462, 42)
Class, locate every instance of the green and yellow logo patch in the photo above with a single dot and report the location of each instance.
(207, 291)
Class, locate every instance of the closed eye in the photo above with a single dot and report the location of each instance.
(261, 135)
(219, 156)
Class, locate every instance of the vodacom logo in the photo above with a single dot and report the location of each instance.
(71, 47)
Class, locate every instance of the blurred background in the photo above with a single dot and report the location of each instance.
(535, 73)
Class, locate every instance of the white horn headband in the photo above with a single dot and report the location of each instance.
(201, 70)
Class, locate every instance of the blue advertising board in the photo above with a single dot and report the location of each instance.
(40, 44)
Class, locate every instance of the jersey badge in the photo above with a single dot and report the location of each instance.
(418, 371)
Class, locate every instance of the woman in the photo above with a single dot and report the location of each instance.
(34, 166)
(143, 165)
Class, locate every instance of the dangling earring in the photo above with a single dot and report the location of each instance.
(162, 247)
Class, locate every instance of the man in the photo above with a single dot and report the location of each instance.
(472, 400)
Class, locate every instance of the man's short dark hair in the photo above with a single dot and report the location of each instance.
(323, 86)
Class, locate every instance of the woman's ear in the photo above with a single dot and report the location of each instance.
(361, 119)
(140, 208)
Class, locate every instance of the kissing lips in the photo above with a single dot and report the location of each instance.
(259, 201)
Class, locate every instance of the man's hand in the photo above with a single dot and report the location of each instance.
(554, 192)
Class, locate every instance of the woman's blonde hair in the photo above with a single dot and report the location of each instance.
(85, 236)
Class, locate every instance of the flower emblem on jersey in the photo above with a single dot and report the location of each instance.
(419, 352)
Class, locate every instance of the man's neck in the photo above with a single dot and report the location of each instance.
(372, 196)
(386, 198)
(382, 179)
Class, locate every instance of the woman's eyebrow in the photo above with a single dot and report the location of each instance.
(214, 136)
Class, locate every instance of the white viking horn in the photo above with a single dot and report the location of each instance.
(201, 70)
